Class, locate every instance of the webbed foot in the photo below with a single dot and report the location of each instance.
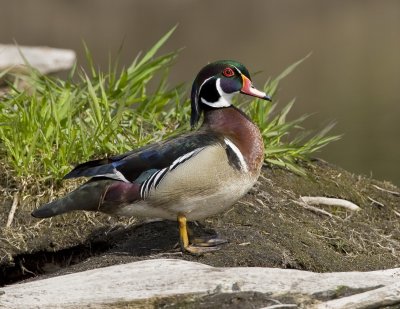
(199, 245)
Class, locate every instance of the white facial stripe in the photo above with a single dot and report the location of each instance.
(239, 155)
(201, 86)
(224, 100)
(237, 69)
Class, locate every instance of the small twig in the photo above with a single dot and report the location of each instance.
(249, 204)
(26, 270)
(324, 237)
(281, 306)
(375, 202)
(388, 191)
(317, 200)
(12, 210)
(260, 202)
(165, 255)
(89, 219)
(396, 212)
(9, 243)
(315, 209)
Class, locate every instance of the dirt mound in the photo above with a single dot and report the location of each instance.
(265, 228)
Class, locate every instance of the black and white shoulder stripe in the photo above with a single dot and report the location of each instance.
(154, 180)
(235, 156)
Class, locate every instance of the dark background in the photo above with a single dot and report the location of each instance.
(352, 77)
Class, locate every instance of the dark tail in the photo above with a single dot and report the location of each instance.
(87, 197)
(51, 209)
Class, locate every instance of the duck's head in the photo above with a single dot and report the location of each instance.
(217, 83)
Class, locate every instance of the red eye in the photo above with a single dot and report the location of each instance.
(228, 72)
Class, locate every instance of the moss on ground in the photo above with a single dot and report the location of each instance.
(265, 228)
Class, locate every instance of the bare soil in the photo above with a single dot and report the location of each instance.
(265, 228)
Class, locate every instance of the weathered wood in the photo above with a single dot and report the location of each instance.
(168, 277)
(378, 298)
(44, 59)
(320, 200)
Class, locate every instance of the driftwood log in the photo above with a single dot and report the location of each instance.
(144, 282)
(44, 59)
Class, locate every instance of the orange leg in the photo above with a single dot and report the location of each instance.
(183, 233)
(202, 246)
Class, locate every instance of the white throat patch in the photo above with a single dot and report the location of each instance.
(224, 100)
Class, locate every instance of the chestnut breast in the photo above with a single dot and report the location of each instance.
(235, 125)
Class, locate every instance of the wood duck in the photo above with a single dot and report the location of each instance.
(189, 177)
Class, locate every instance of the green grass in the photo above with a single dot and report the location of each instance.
(57, 123)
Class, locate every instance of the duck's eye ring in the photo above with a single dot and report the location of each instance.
(228, 72)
